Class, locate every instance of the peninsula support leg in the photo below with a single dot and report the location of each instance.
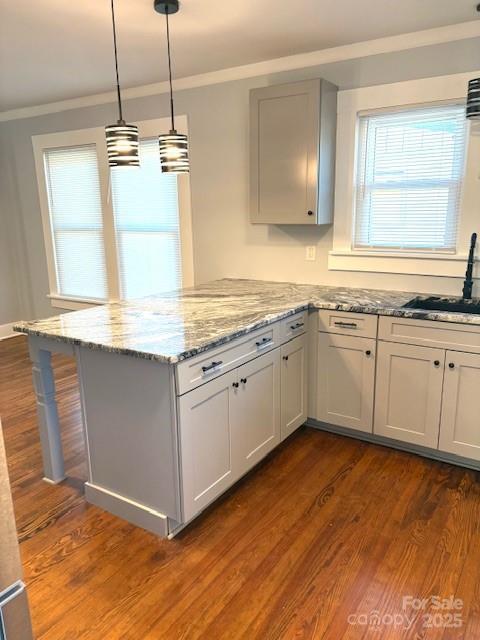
(44, 385)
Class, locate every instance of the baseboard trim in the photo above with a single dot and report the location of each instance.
(434, 454)
(134, 512)
(6, 331)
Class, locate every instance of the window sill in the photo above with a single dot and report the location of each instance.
(72, 303)
(447, 265)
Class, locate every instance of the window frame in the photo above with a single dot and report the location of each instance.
(429, 92)
(96, 136)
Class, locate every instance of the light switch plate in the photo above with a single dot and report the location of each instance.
(310, 253)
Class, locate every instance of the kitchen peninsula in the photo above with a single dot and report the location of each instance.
(183, 393)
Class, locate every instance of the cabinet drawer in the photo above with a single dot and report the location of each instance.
(294, 326)
(208, 365)
(348, 324)
(428, 333)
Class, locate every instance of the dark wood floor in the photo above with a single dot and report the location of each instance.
(325, 529)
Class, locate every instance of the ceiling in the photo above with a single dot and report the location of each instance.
(54, 49)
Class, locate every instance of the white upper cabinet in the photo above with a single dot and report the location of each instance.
(292, 152)
(409, 393)
(460, 424)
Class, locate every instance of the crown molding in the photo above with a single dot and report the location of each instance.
(428, 37)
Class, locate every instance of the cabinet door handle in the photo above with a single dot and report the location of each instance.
(451, 365)
(212, 366)
(263, 342)
(296, 326)
(309, 213)
(235, 385)
(243, 380)
(285, 358)
(368, 352)
(348, 325)
(437, 363)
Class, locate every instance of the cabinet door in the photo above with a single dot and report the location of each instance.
(345, 381)
(293, 385)
(256, 410)
(206, 443)
(460, 424)
(409, 393)
(292, 156)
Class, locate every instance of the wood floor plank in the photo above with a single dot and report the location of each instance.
(324, 529)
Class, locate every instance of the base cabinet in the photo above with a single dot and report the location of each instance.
(255, 411)
(424, 395)
(345, 380)
(460, 423)
(207, 464)
(409, 393)
(293, 385)
(226, 426)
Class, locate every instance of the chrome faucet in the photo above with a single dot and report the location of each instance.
(468, 284)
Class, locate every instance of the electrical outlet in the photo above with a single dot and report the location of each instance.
(310, 253)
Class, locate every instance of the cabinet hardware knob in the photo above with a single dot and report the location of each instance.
(285, 357)
(368, 352)
(235, 385)
(243, 380)
(437, 363)
(310, 213)
(451, 365)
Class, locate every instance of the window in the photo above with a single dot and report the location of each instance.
(409, 179)
(145, 205)
(76, 221)
(111, 235)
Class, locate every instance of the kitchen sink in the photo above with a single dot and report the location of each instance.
(454, 305)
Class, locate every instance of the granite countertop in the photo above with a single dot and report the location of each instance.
(179, 324)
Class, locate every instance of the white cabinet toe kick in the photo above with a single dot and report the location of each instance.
(164, 441)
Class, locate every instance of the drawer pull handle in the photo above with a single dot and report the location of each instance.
(212, 366)
(263, 342)
(285, 358)
(347, 325)
(297, 326)
(437, 363)
(451, 365)
(243, 380)
(235, 385)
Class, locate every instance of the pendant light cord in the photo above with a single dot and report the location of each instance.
(169, 71)
(119, 98)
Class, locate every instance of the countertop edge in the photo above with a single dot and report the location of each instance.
(415, 314)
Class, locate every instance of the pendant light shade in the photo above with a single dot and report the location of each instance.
(473, 99)
(174, 152)
(122, 144)
(122, 138)
(173, 145)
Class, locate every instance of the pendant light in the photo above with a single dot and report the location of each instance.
(473, 96)
(473, 100)
(173, 145)
(122, 138)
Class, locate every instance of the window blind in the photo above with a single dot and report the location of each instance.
(145, 205)
(75, 207)
(409, 179)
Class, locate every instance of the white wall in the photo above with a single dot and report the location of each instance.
(225, 243)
